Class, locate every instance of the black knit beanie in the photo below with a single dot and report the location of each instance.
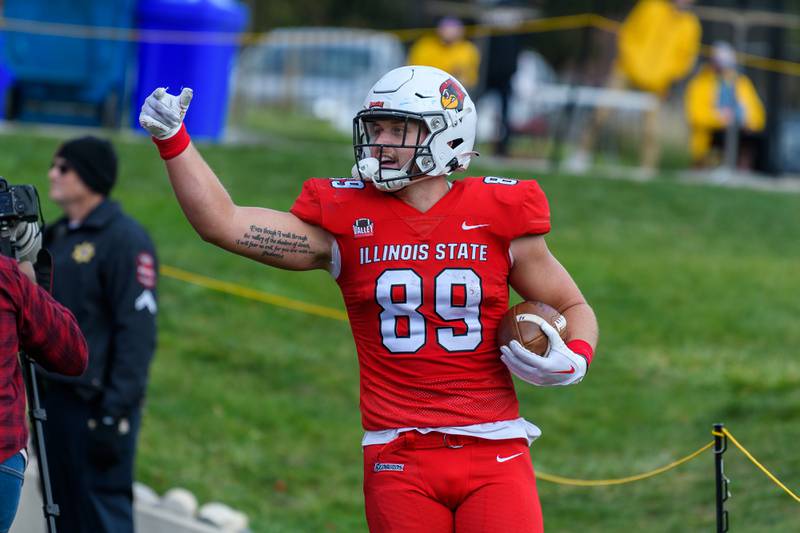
(94, 160)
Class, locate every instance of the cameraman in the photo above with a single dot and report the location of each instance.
(105, 269)
(32, 321)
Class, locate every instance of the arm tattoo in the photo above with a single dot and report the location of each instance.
(275, 243)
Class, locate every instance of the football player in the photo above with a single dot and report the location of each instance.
(424, 264)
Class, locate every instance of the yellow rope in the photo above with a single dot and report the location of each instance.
(767, 63)
(755, 462)
(605, 482)
(252, 294)
(328, 312)
(606, 24)
(567, 22)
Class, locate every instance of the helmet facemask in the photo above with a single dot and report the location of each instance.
(374, 160)
(421, 95)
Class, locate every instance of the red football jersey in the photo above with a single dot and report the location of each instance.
(425, 293)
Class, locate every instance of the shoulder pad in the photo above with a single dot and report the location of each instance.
(521, 204)
(346, 183)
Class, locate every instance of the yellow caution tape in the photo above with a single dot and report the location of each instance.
(336, 314)
(252, 294)
(567, 22)
(769, 474)
(620, 481)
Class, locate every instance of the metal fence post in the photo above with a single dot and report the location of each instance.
(720, 445)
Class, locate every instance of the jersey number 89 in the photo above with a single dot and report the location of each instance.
(457, 297)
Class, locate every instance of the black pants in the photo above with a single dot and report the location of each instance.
(750, 152)
(503, 88)
(91, 499)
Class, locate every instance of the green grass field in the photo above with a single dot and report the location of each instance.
(697, 293)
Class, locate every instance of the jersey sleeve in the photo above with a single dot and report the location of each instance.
(534, 211)
(307, 207)
(129, 277)
(46, 329)
(520, 205)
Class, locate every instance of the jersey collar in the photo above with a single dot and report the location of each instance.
(99, 217)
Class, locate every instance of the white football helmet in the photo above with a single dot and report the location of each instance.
(435, 99)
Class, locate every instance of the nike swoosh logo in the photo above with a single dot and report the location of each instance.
(467, 227)
(570, 371)
(504, 459)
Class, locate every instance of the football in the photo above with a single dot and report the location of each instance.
(516, 325)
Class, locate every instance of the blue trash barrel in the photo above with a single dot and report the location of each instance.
(61, 72)
(204, 64)
(5, 80)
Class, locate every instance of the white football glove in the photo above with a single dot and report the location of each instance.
(162, 113)
(27, 241)
(559, 366)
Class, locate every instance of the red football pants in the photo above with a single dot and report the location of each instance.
(443, 484)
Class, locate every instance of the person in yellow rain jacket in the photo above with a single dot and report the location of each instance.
(448, 51)
(717, 96)
(657, 46)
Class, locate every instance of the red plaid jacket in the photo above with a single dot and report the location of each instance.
(32, 321)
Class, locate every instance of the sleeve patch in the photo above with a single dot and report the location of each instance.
(146, 270)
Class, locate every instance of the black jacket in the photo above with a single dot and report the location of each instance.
(105, 272)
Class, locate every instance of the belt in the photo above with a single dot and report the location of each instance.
(434, 439)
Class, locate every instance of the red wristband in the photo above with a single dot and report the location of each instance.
(583, 348)
(175, 145)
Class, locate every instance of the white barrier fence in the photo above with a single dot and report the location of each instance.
(176, 511)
